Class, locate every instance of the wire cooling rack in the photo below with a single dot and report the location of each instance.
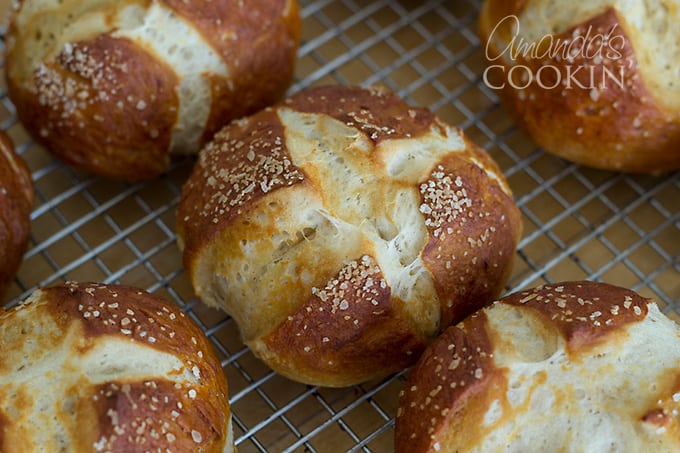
(578, 223)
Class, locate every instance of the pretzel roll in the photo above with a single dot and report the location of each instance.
(595, 82)
(91, 367)
(116, 87)
(573, 366)
(16, 201)
(342, 229)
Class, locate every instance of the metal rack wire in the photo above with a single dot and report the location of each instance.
(578, 223)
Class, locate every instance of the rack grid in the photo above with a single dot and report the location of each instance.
(579, 223)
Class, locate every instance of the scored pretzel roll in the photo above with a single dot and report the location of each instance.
(342, 229)
(116, 87)
(595, 82)
(16, 201)
(573, 366)
(90, 367)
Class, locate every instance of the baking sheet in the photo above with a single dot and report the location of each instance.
(579, 223)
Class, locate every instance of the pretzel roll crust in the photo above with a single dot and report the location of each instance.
(569, 366)
(16, 202)
(593, 82)
(342, 229)
(116, 88)
(92, 367)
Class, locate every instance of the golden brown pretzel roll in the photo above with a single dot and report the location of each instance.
(342, 229)
(115, 87)
(595, 82)
(91, 367)
(573, 366)
(16, 201)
